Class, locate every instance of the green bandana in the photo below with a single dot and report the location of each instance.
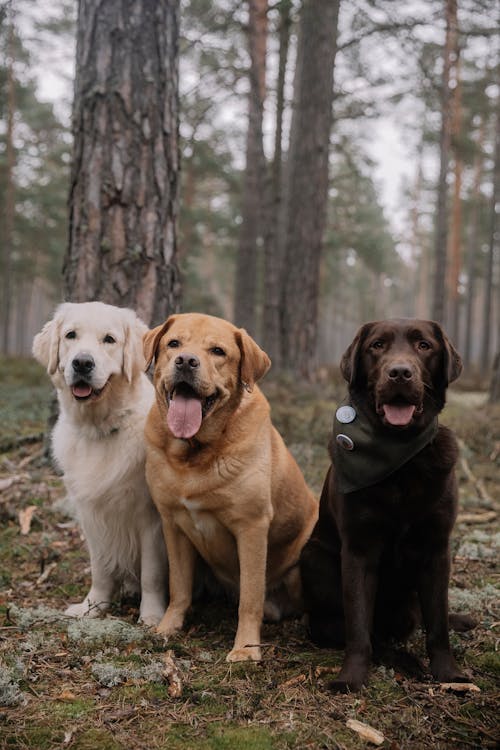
(365, 455)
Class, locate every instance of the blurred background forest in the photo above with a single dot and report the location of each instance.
(400, 100)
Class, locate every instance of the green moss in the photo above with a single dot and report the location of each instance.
(73, 709)
(220, 737)
(244, 738)
(490, 662)
(91, 739)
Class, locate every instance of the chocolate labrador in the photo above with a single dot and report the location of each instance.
(378, 561)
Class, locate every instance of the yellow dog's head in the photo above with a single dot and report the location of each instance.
(203, 363)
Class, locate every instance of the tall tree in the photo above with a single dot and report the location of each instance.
(34, 152)
(492, 243)
(455, 238)
(272, 245)
(308, 182)
(8, 218)
(441, 225)
(254, 184)
(123, 195)
(473, 247)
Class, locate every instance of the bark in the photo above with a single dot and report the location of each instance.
(473, 247)
(8, 230)
(493, 240)
(419, 249)
(455, 244)
(123, 195)
(441, 231)
(495, 380)
(308, 182)
(254, 185)
(273, 261)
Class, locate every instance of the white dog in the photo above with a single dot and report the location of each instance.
(93, 353)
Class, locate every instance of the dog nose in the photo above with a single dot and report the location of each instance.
(83, 364)
(187, 362)
(401, 372)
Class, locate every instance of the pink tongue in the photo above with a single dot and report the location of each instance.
(184, 416)
(398, 415)
(81, 391)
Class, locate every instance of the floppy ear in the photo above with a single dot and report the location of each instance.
(254, 362)
(452, 361)
(133, 357)
(349, 364)
(151, 339)
(46, 345)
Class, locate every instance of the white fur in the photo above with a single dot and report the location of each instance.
(99, 445)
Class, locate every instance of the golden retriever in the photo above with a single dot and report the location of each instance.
(93, 354)
(219, 472)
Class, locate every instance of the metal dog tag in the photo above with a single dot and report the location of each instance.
(345, 442)
(345, 414)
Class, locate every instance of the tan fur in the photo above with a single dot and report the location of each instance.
(233, 492)
(99, 445)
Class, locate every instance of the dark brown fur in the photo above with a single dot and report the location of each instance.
(378, 560)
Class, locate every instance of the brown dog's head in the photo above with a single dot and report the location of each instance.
(401, 369)
(202, 365)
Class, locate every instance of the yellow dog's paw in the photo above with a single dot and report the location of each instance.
(247, 653)
(170, 623)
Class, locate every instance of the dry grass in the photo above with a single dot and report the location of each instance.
(108, 684)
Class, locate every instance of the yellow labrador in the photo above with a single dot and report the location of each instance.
(93, 354)
(219, 472)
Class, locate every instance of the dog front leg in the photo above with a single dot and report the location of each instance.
(433, 594)
(154, 574)
(252, 555)
(359, 586)
(98, 599)
(181, 562)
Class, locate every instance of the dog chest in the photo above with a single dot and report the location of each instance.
(203, 522)
(212, 539)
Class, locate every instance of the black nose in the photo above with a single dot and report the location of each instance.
(83, 364)
(401, 372)
(187, 362)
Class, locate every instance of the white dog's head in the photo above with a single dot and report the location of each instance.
(87, 344)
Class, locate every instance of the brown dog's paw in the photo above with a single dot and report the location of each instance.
(247, 653)
(445, 669)
(352, 676)
(348, 685)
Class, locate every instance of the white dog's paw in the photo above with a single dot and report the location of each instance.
(151, 619)
(85, 609)
(152, 609)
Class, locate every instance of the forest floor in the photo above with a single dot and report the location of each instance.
(111, 684)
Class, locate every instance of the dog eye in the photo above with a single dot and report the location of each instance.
(424, 345)
(174, 344)
(71, 335)
(218, 351)
(109, 339)
(378, 344)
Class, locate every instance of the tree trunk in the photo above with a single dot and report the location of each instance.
(493, 239)
(495, 380)
(254, 185)
(419, 248)
(455, 244)
(272, 245)
(308, 186)
(441, 231)
(123, 196)
(8, 231)
(473, 246)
